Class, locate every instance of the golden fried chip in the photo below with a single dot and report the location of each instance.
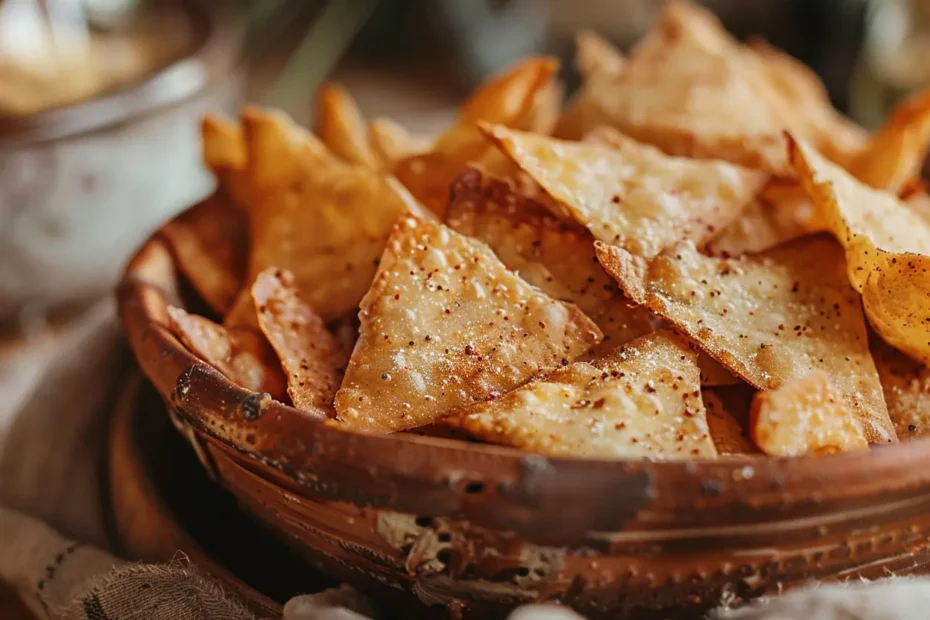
(510, 99)
(324, 220)
(801, 91)
(772, 319)
(547, 107)
(596, 56)
(897, 152)
(225, 155)
(631, 194)
(241, 354)
(340, 126)
(446, 325)
(391, 142)
(727, 428)
(782, 212)
(687, 89)
(310, 355)
(906, 384)
(807, 415)
(555, 257)
(209, 244)
(641, 401)
(887, 249)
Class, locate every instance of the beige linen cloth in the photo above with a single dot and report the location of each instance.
(54, 397)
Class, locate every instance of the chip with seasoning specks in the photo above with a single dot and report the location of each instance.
(805, 416)
(323, 219)
(311, 356)
(906, 384)
(555, 256)
(241, 354)
(630, 194)
(445, 325)
(643, 400)
(772, 318)
(728, 425)
(887, 249)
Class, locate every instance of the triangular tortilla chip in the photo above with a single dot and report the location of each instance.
(391, 142)
(641, 401)
(225, 155)
(509, 99)
(806, 416)
(594, 55)
(209, 244)
(242, 355)
(801, 91)
(555, 257)
(897, 152)
(782, 212)
(340, 126)
(771, 319)
(686, 88)
(310, 355)
(324, 220)
(728, 428)
(446, 325)
(631, 194)
(887, 249)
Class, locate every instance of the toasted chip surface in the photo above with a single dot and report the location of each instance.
(556, 257)
(772, 319)
(641, 400)
(209, 243)
(630, 194)
(311, 356)
(446, 325)
(897, 152)
(906, 384)
(224, 154)
(779, 214)
(241, 354)
(728, 428)
(686, 88)
(805, 416)
(511, 98)
(340, 126)
(324, 220)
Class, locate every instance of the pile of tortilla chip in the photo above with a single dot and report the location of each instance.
(695, 257)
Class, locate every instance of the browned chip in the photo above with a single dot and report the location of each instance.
(594, 55)
(310, 355)
(209, 243)
(728, 427)
(887, 249)
(511, 99)
(800, 91)
(897, 152)
(688, 89)
(641, 401)
(224, 153)
(446, 325)
(772, 319)
(906, 384)
(391, 142)
(782, 212)
(324, 220)
(241, 354)
(630, 194)
(556, 257)
(805, 416)
(340, 126)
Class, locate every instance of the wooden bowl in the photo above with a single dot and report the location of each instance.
(427, 524)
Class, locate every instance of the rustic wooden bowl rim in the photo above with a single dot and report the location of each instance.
(501, 486)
